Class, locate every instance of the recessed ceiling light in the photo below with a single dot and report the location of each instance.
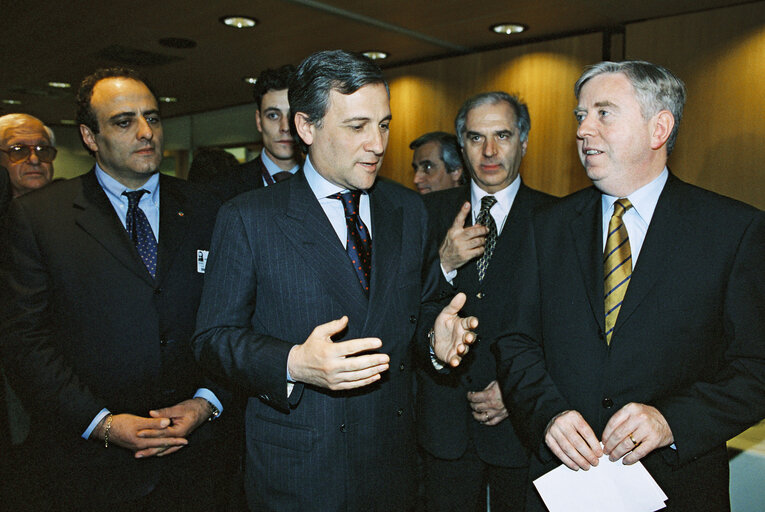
(11, 102)
(68, 122)
(375, 55)
(60, 85)
(509, 28)
(250, 80)
(167, 99)
(239, 21)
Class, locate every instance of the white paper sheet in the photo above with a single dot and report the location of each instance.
(608, 487)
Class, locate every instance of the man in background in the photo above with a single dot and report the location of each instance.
(437, 162)
(27, 151)
(462, 422)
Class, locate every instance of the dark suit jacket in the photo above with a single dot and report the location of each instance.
(5, 433)
(689, 339)
(87, 327)
(246, 177)
(444, 420)
(276, 271)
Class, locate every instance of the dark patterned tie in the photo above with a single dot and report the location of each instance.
(359, 243)
(617, 265)
(140, 232)
(485, 218)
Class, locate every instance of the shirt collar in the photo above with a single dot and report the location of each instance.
(505, 197)
(114, 188)
(320, 186)
(643, 200)
(271, 165)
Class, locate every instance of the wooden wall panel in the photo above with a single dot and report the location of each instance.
(720, 55)
(425, 97)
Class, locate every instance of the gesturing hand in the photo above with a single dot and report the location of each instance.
(324, 363)
(452, 333)
(461, 243)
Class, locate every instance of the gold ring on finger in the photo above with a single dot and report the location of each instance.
(634, 443)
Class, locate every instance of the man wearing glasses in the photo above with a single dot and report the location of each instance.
(27, 150)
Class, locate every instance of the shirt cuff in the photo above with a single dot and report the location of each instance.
(93, 424)
(210, 397)
(433, 359)
(449, 276)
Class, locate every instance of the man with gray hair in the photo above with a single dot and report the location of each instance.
(462, 420)
(436, 162)
(27, 150)
(639, 323)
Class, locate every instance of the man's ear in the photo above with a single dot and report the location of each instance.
(89, 138)
(304, 127)
(258, 124)
(663, 124)
(455, 176)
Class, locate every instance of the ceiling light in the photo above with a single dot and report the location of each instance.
(375, 55)
(509, 28)
(60, 85)
(239, 21)
(11, 102)
(250, 80)
(167, 99)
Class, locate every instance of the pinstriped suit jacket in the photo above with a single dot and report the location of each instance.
(276, 271)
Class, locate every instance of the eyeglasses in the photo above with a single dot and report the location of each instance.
(20, 152)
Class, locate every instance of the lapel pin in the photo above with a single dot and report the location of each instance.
(180, 214)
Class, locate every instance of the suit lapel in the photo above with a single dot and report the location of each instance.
(664, 237)
(173, 226)
(98, 218)
(586, 230)
(387, 229)
(307, 227)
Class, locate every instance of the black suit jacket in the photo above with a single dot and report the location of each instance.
(689, 339)
(276, 271)
(444, 420)
(87, 327)
(243, 178)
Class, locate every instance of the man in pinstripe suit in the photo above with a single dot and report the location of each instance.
(321, 349)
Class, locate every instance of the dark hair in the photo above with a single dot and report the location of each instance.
(522, 118)
(209, 163)
(272, 80)
(338, 70)
(85, 114)
(656, 89)
(449, 148)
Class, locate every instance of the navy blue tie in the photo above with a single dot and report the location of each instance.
(140, 232)
(359, 243)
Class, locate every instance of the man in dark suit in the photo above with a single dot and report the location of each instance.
(278, 160)
(639, 322)
(103, 275)
(298, 314)
(461, 421)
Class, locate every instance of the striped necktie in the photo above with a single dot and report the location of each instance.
(485, 218)
(617, 265)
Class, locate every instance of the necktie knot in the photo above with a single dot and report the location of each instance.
(134, 197)
(350, 201)
(621, 206)
(487, 202)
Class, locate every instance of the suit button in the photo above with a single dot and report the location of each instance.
(400, 412)
(401, 367)
(157, 291)
(469, 379)
(412, 319)
(479, 295)
(162, 341)
(343, 429)
(607, 403)
(601, 335)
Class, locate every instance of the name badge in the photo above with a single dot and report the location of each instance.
(201, 260)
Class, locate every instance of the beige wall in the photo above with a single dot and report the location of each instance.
(426, 97)
(720, 55)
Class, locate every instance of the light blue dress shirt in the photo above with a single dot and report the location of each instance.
(272, 168)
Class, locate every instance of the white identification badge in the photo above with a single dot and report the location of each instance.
(201, 260)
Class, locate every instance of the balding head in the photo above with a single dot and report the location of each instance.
(27, 151)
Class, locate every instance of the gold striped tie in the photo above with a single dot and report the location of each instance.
(617, 265)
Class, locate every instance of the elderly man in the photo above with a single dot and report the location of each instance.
(103, 274)
(311, 299)
(279, 158)
(436, 162)
(461, 419)
(27, 150)
(639, 323)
